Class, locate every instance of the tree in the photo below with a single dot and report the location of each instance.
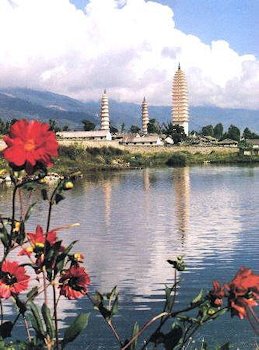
(88, 125)
(234, 133)
(53, 125)
(122, 127)
(248, 134)
(207, 130)
(113, 130)
(134, 129)
(153, 127)
(218, 131)
(176, 132)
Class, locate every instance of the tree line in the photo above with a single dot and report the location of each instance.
(176, 132)
(232, 133)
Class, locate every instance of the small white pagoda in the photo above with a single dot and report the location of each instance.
(145, 116)
(104, 114)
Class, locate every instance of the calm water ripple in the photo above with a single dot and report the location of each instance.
(133, 221)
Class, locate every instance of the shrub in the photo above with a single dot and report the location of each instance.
(177, 159)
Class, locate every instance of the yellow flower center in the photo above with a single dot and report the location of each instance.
(39, 245)
(29, 145)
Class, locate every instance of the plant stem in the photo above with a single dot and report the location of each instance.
(109, 323)
(146, 325)
(55, 315)
(165, 316)
(21, 203)
(27, 328)
(2, 311)
(13, 209)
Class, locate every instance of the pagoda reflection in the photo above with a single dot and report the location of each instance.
(181, 182)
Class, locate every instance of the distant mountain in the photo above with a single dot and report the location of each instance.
(44, 105)
(20, 103)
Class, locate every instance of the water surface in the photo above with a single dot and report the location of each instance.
(131, 222)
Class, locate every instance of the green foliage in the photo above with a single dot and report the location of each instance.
(177, 159)
(135, 331)
(248, 134)
(218, 131)
(88, 125)
(177, 264)
(54, 126)
(134, 129)
(153, 127)
(207, 130)
(73, 331)
(113, 129)
(107, 304)
(176, 132)
(233, 133)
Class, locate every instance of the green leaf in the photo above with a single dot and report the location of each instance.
(173, 338)
(37, 323)
(224, 347)
(4, 235)
(32, 293)
(6, 329)
(69, 247)
(21, 305)
(115, 306)
(58, 198)
(134, 332)
(75, 328)
(198, 298)
(2, 344)
(28, 213)
(44, 194)
(48, 320)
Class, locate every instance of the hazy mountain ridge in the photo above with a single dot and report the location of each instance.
(19, 103)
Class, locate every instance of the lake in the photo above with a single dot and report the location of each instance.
(131, 222)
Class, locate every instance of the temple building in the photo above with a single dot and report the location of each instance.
(145, 116)
(180, 110)
(105, 117)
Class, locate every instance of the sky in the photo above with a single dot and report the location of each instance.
(132, 48)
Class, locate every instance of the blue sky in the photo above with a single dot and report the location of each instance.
(236, 21)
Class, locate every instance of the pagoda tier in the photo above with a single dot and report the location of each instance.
(180, 105)
(105, 117)
(145, 116)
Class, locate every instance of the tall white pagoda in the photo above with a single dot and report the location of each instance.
(145, 116)
(180, 110)
(105, 117)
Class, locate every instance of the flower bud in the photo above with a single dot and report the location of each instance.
(68, 185)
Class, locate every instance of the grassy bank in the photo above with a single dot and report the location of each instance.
(79, 157)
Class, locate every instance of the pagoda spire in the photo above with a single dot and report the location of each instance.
(105, 117)
(180, 105)
(145, 116)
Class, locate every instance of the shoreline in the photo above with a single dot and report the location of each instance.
(83, 157)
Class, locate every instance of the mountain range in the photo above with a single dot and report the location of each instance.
(45, 105)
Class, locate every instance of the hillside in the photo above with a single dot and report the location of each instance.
(18, 103)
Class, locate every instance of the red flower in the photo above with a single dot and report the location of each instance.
(217, 293)
(30, 143)
(243, 292)
(38, 240)
(13, 279)
(74, 283)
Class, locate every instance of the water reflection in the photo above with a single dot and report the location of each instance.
(181, 182)
(107, 193)
(132, 222)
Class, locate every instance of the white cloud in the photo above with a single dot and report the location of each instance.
(130, 47)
